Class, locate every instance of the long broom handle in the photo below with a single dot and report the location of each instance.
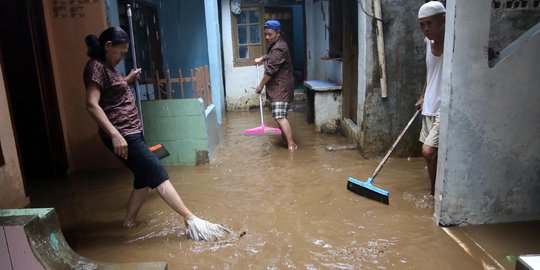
(260, 95)
(134, 57)
(260, 106)
(381, 164)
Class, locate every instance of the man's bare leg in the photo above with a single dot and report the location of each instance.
(430, 155)
(135, 202)
(287, 131)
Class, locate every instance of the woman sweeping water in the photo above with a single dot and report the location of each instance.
(111, 104)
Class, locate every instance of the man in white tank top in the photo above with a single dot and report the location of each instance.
(431, 18)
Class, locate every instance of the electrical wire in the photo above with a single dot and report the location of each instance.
(369, 15)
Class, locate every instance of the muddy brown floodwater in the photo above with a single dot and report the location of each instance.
(294, 208)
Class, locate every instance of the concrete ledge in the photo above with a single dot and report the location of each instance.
(321, 86)
(350, 130)
(324, 105)
(32, 239)
(528, 262)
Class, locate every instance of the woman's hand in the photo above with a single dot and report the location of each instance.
(120, 146)
(134, 73)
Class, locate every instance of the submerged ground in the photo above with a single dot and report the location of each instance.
(294, 208)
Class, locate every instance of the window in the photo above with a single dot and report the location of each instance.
(247, 36)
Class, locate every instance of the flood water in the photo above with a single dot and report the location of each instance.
(293, 207)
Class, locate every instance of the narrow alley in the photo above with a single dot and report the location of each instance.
(293, 207)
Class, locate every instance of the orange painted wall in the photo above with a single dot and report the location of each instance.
(68, 52)
(84, 148)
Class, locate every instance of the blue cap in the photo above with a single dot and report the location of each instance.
(272, 24)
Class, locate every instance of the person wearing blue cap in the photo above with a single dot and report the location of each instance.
(431, 18)
(278, 79)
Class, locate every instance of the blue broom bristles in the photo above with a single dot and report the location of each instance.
(368, 190)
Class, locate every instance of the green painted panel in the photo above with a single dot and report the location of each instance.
(180, 125)
(166, 129)
(184, 153)
(193, 127)
(172, 107)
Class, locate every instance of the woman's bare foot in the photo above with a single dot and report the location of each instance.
(129, 224)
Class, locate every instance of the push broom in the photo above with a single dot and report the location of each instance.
(367, 189)
(262, 129)
(197, 229)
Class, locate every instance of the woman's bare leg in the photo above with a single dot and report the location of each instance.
(135, 202)
(168, 193)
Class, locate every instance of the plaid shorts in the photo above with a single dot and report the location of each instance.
(279, 109)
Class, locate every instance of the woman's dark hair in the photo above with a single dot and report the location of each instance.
(96, 46)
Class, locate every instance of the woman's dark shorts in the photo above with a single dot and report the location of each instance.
(146, 167)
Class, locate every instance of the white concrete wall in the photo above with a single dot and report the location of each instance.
(489, 160)
(240, 82)
(214, 56)
(328, 112)
(365, 60)
(317, 39)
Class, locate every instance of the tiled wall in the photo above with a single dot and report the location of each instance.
(180, 125)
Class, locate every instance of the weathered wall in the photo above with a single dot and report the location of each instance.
(183, 30)
(316, 39)
(509, 22)
(240, 81)
(68, 54)
(12, 193)
(380, 120)
(211, 9)
(489, 166)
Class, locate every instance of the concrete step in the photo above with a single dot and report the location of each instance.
(299, 94)
(299, 101)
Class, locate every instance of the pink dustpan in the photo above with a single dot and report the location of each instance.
(262, 129)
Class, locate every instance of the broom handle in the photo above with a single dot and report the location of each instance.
(134, 58)
(260, 106)
(393, 146)
(260, 96)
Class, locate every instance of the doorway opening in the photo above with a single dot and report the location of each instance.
(31, 90)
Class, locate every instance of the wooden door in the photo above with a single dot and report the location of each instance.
(350, 59)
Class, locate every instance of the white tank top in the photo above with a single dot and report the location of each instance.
(432, 96)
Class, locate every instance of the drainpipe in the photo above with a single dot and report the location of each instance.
(380, 47)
